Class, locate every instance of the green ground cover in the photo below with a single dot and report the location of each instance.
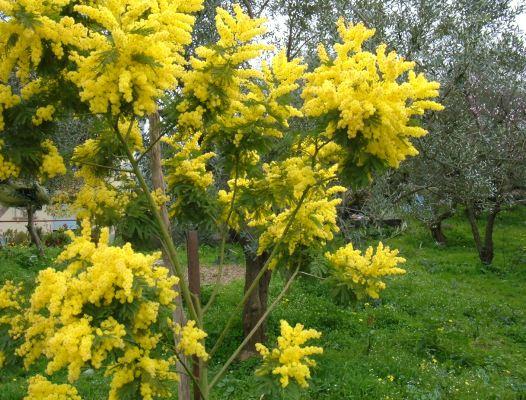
(448, 329)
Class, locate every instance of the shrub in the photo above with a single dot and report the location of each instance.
(57, 238)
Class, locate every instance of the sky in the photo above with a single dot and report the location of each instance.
(521, 20)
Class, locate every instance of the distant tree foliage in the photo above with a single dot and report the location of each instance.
(475, 160)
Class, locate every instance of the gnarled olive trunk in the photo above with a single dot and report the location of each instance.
(436, 228)
(437, 233)
(35, 239)
(256, 305)
(484, 244)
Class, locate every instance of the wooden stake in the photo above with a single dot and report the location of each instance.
(183, 387)
(194, 282)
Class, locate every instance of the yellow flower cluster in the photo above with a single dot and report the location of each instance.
(258, 108)
(188, 164)
(134, 55)
(43, 114)
(372, 97)
(96, 198)
(190, 340)
(33, 88)
(42, 389)
(66, 306)
(233, 49)
(52, 162)
(222, 96)
(7, 168)
(363, 273)
(160, 197)
(109, 335)
(283, 185)
(11, 314)
(29, 26)
(70, 346)
(327, 153)
(105, 142)
(293, 176)
(10, 295)
(187, 176)
(290, 359)
(101, 193)
(7, 100)
(314, 224)
(137, 365)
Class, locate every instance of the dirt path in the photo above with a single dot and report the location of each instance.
(231, 273)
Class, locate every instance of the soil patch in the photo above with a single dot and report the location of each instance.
(231, 273)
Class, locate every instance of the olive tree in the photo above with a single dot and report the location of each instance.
(475, 162)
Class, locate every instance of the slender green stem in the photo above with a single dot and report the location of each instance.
(203, 367)
(165, 235)
(189, 373)
(253, 331)
(205, 390)
(313, 276)
(150, 147)
(223, 242)
(260, 274)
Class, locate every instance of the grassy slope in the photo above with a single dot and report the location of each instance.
(448, 329)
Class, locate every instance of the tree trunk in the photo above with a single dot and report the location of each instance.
(436, 228)
(256, 305)
(158, 183)
(486, 255)
(194, 283)
(35, 239)
(484, 245)
(3, 210)
(438, 234)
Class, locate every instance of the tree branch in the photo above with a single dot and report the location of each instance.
(253, 331)
(260, 274)
(165, 235)
(150, 147)
(248, 6)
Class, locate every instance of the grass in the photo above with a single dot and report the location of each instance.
(450, 328)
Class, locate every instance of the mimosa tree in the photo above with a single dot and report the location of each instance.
(232, 103)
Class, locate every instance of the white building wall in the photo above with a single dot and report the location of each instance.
(16, 219)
